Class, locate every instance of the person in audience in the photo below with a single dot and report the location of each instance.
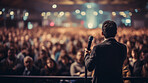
(136, 69)
(9, 64)
(63, 53)
(137, 64)
(50, 68)
(28, 69)
(41, 62)
(24, 52)
(78, 67)
(145, 63)
(64, 66)
(126, 70)
(2, 52)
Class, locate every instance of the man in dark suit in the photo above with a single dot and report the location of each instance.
(28, 68)
(106, 58)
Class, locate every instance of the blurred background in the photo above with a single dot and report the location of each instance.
(48, 37)
(73, 13)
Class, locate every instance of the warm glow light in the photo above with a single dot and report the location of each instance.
(90, 25)
(124, 15)
(54, 6)
(61, 13)
(128, 21)
(130, 13)
(52, 24)
(12, 13)
(88, 6)
(43, 14)
(77, 11)
(83, 13)
(121, 13)
(1, 12)
(114, 13)
(101, 11)
(26, 14)
(95, 13)
(48, 13)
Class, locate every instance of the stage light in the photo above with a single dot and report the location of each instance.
(101, 11)
(30, 26)
(95, 13)
(121, 13)
(61, 13)
(1, 12)
(26, 14)
(90, 25)
(136, 10)
(114, 13)
(90, 20)
(130, 13)
(11, 12)
(3, 9)
(52, 24)
(54, 6)
(43, 14)
(83, 13)
(128, 20)
(48, 13)
(88, 6)
(77, 11)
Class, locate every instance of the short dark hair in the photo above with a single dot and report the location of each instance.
(109, 29)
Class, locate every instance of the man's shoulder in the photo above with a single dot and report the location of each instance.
(121, 44)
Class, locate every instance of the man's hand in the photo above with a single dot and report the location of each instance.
(86, 52)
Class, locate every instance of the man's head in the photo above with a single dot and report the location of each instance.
(109, 29)
(28, 62)
(80, 56)
(11, 53)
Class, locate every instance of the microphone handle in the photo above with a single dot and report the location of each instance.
(89, 44)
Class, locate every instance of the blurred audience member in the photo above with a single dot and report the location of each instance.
(137, 64)
(64, 66)
(78, 68)
(50, 69)
(9, 65)
(41, 62)
(28, 68)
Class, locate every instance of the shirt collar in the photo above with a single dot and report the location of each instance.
(105, 39)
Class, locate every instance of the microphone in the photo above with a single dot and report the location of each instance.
(88, 48)
(89, 42)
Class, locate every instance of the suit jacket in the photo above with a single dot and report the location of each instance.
(34, 71)
(107, 59)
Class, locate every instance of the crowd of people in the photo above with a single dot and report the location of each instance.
(59, 51)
